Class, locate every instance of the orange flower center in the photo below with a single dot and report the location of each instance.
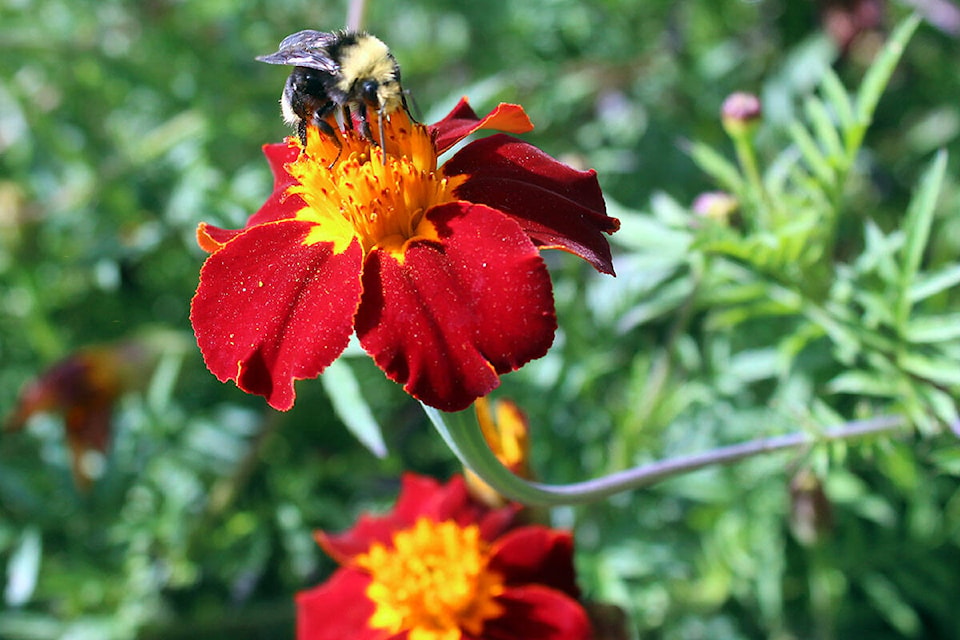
(355, 190)
(433, 583)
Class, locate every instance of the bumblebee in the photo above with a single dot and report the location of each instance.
(351, 70)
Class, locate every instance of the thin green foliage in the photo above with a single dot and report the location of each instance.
(868, 308)
(918, 225)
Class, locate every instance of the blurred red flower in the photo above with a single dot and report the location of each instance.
(84, 387)
(436, 269)
(441, 566)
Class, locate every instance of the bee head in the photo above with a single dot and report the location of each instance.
(369, 91)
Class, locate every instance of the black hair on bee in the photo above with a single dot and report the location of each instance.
(354, 71)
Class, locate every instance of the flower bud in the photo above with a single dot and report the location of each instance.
(811, 515)
(715, 205)
(506, 430)
(740, 113)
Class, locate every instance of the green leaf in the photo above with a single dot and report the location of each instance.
(643, 232)
(718, 167)
(23, 569)
(876, 308)
(838, 98)
(930, 284)
(878, 75)
(879, 252)
(917, 225)
(941, 403)
(941, 371)
(344, 391)
(656, 304)
(866, 383)
(934, 328)
(747, 312)
(824, 128)
(793, 344)
(814, 158)
(946, 460)
(890, 603)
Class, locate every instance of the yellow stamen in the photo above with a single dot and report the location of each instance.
(360, 190)
(434, 582)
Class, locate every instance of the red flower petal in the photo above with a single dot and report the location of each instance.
(534, 612)
(537, 554)
(454, 315)
(558, 206)
(279, 154)
(270, 309)
(419, 496)
(337, 609)
(463, 121)
(277, 207)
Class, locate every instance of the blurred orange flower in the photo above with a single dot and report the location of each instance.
(84, 387)
(506, 430)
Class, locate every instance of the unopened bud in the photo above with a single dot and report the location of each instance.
(715, 205)
(811, 516)
(740, 113)
(506, 430)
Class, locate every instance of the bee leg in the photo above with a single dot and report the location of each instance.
(327, 130)
(364, 122)
(319, 120)
(347, 117)
(325, 127)
(302, 132)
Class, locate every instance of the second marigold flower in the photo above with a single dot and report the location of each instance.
(441, 566)
(436, 269)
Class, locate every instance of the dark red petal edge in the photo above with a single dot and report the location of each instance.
(455, 314)
(419, 496)
(463, 120)
(270, 310)
(537, 554)
(535, 612)
(558, 206)
(337, 609)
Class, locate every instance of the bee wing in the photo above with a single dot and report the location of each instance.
(306, 48)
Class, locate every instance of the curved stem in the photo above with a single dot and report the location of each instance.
(462, 434)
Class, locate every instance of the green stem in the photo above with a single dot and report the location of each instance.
(821, 595)
(462, 434)
(743, 145)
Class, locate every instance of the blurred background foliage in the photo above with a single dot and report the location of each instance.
(124, 124)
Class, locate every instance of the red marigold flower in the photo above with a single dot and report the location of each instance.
(436, 269)
(442, 567)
